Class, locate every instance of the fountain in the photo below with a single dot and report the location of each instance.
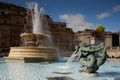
(91, 58)
(35, 49)
(36, 45)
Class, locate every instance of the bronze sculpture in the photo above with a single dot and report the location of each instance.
(91, 57)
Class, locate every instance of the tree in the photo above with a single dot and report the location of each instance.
(99, 32)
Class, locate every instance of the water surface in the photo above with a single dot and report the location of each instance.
(40, 71)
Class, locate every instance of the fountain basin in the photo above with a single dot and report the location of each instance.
(40, 71)
(32, 54)
(31, 39)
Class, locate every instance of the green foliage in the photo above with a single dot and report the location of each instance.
(100, 31)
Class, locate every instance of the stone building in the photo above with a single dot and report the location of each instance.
(15, 20)
(12, 19)
(119, 37)
(112, 40)
(85, 36)
(62, 36)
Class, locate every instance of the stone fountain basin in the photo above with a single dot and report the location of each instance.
(32, 54)
(31, 36)
(28, 36)
(30, 39)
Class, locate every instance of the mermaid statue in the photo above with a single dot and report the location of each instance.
(91, 57)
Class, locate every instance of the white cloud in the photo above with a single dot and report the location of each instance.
(75, 21)
(116, 8)
(103, 15)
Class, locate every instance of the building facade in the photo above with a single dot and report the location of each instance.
(15, 20)
(12, 19)
(110, 39)
(62, 36)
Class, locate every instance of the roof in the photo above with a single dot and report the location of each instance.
(8, 5)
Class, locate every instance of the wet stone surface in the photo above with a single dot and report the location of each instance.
(60, 78)
(62, 72)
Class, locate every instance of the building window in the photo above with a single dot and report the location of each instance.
(25, 21)
(17, 21)
(2, 12)
(62, 26)
(67, 29)
(5, 21)
(4, 34)
(18, 12)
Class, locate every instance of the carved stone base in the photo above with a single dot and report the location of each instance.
(85, 74)
(32, 54)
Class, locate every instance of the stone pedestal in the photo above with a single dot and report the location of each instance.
(34, 49)
(32, 54)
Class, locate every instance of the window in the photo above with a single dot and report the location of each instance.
(62, 26)
(5, 21)
(2, 12)
(4, 33)
(17, 21)
(25, 21)
(18, 12)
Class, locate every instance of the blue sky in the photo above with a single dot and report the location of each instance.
(80, 14)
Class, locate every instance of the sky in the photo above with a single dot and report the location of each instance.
(80, 14)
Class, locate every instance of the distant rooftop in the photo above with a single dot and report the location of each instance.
(8, 5)
(86, 31)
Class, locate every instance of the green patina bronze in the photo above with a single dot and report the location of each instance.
(91, 57)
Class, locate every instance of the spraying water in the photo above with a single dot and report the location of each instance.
(39, 21)
(71, 58)
(37, 17)
(69, 61)
(66, 67)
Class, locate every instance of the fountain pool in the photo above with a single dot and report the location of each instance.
(41, 71)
